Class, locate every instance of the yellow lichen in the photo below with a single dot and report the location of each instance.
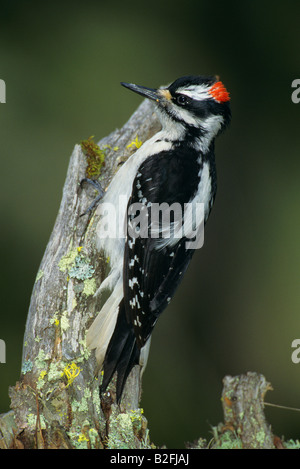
(135, 143)
(42, 374)
(82, 438)
(71, 371)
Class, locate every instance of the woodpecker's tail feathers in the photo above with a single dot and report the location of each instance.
(101, 330)
(115, 343)
(121, 355)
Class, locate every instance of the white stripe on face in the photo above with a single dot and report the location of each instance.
(197, 92)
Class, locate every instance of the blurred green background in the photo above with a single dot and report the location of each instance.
(238, 308)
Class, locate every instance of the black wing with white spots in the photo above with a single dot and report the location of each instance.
(153, 271)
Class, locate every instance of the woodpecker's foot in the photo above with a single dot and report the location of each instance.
(98, 187)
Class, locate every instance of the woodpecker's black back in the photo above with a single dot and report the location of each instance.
(160, 271)
(178, 169)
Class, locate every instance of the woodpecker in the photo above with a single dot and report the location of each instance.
(175, 166)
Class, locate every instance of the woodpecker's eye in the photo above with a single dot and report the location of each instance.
(181, 100)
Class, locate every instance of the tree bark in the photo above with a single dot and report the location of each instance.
(56, 403)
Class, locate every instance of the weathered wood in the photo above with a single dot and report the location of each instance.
(245, 425)
(243, 406)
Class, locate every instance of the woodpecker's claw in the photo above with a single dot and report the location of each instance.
(98, 187)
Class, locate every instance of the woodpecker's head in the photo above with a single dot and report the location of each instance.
(199, 104)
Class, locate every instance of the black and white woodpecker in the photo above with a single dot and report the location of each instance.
(176, 165)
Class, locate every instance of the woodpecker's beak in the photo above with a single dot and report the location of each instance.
(155, 95)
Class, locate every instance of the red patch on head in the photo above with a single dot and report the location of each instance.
(219, 92)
